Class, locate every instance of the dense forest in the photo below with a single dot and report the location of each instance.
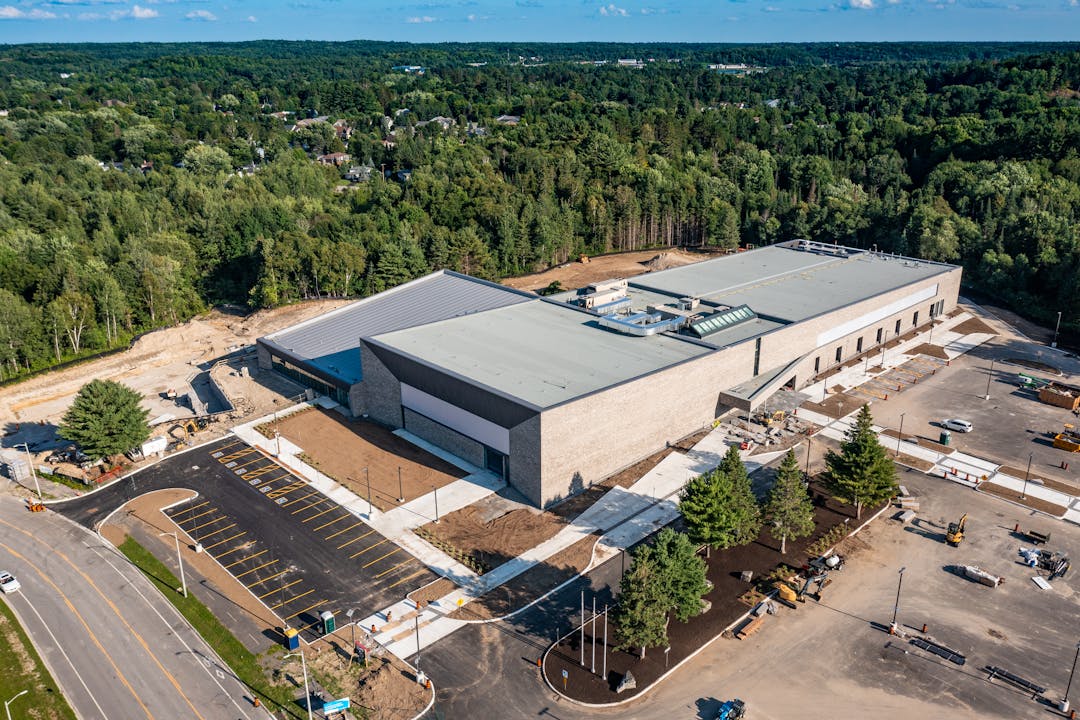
(140, 184)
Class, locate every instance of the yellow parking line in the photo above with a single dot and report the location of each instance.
(293, 502)
(248, 572)
(286, 489)
(330, 509)
(249, 557)
(215, 532)
(242, 546)
(267, 579)
(309, 607)
(369, 547)
(196, 517)
(382, 557)
(387, 572)
(234, 443)
(328, 524)
(406, 579)
(294, 597)
(358, 537)
(219, 517)
(282, 588)
(259, 472)
(339, 532)
(193, 508)
(317, 503)
(222, 542)
(235, 456)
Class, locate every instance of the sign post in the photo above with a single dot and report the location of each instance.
(565, 675)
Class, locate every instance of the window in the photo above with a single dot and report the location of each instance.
(495, 461)
(817, 364)
(858, 346)
(839, 353)
(757, 356)
(933, 310)
(897, 330)
(915, 318)
(878, 340)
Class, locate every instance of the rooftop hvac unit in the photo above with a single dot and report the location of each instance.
(688, 303)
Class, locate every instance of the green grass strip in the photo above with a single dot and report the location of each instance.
(44, 699)
(242, 661)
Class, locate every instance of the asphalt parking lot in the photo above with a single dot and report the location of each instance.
(292, 547)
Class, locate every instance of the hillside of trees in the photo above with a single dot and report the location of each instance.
(140, 184)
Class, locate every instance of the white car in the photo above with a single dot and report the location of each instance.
(958, 425)
(8, 583)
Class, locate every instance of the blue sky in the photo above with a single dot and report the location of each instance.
(538, 20)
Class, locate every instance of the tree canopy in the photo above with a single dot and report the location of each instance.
(719, 507)
(862, 473)
(788, 509)
(105, 419)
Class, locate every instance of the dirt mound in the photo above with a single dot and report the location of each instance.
(666, 260)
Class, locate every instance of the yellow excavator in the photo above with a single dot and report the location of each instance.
(955, 534)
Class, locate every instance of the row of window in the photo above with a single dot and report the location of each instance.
(935, 309)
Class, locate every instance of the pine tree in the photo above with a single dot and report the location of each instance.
(642, 611)
(681, 573)
(788, 508)
(862, 472)
(719, 508)
(105, 419)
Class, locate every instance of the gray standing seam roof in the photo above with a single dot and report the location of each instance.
(331, 341)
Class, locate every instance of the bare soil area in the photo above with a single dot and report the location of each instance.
(974, 325)
(575, 274)
(836, 405)
(936, 351)
(352, 452)
(491, 542)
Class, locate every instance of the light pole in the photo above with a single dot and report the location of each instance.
(400, 490)
(23, 692)
(30, 464)
(277, 439)
(179, 560)
(807, 458)
(1065, 700)
(307, 691)
(1027, 475)
(989, 377)
(896, 607)
(900, 435)
(367, 480)
(435, 490)
(1056, 328)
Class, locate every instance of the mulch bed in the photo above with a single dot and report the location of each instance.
(836, 405)
(1031, 502)
(1066, 488)
(929, 350)
(724, 567)
(972, 326)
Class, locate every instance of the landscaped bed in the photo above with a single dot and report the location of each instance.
(761, 557)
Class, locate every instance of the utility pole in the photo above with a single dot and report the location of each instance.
(30, 465)
(989, 376)
(435, 491)
(1027, 475)
(400, 491)
(367, 480)
(900, 435)
(307, 690)
(1056, 328)
(179, 561)
(1065, 700)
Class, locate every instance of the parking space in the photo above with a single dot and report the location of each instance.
(293, 548)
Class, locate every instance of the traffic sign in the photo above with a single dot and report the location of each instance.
(336, 705)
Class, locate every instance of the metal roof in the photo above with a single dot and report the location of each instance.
(331, 342)
(542, 353)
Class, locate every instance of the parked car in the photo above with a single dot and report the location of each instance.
(8, 583)
(958, 425)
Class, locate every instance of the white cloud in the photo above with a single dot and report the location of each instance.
(420, 19)
(141, 13)
(10, 12)
(201, 15)
(252, 18)
(89, 16)
(610, 10)
(862, 4)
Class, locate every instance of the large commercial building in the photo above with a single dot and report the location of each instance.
(556, 393)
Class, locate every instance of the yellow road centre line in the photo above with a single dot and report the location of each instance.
(222, 542)
(215, 532)
(339, 532)
(282, 588)
(408, 578)
(260, 567)
(249, 557)
(369, 547)
(382, 557)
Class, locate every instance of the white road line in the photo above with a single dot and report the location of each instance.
(59, 647)
(193, 651)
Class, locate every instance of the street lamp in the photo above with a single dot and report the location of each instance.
(808, 458)
(989, 377)
(1065, 700)
(367, 480)
(30, 463)
(1056, 328)
(179, 560)
(307, 691)
(896, 607)
(900, 435)
(1027, 474)
(23, 692)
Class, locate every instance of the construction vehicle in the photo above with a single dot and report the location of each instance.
(954, 535)
(189, 427)
(767, 419)
(1068, 439)
(825, 563)
(789, 594)
(1032, 382)
(732, 710)
(583, 258)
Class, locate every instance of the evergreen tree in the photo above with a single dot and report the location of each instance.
(788, 508)
(105, 419)
(642, 611)
(681, 573)
(862, 472)
(719, 507)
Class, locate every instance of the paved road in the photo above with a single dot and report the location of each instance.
(114, 644)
